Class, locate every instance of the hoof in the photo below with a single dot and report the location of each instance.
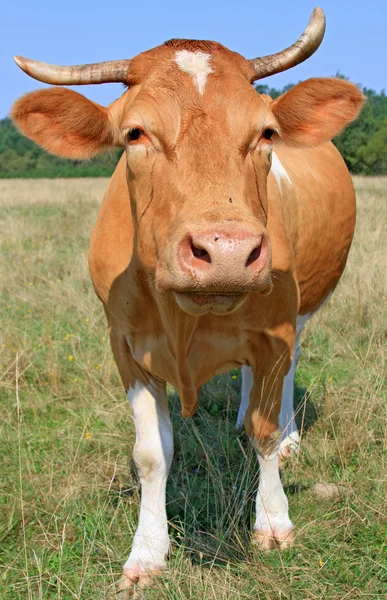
(134, 580)
(269, 540)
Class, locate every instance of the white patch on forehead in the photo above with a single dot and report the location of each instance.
(196, 64)
(278, 171)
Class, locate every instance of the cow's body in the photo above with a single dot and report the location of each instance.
(307, 219)
(226, 224)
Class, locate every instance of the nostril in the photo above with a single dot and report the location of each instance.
(200, 253)
(254, 255)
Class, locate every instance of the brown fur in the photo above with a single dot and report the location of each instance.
(315, 110)
(193, 45)
(202, 151)
(64, 122)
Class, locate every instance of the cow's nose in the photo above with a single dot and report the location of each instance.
(215, 248)
(222, 259)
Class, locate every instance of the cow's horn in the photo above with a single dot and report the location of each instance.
(304, 47)
(103, 72)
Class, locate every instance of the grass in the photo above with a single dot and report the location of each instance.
(68, 500)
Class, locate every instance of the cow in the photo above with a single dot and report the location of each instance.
(225, 226)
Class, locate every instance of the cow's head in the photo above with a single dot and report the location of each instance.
(198, 141)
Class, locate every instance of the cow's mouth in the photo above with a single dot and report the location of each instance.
(199, 303)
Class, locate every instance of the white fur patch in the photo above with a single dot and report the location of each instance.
(196, 64)
(152, 455)
(278, 171)
(271, 504)
(290, 437)
(247, 386)
(287, 422)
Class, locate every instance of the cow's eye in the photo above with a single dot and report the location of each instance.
(134, 134)
(268, 134)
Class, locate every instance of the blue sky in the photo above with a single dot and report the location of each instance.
(74, 32)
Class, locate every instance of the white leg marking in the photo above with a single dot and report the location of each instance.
(152, 454)
(196, 64)
(290, 436)
(272, 505)
(278, 171)
(247, 386)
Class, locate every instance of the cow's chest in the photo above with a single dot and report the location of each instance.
(187, 352)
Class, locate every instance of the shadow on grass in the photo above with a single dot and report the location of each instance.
(214, 475)
(305, 409)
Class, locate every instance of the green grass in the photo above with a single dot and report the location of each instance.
(69, 495)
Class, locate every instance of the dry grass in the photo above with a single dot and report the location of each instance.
(68, 500)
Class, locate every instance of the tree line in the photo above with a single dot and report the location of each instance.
(363, 145)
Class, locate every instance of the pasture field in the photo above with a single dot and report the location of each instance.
(68, 494)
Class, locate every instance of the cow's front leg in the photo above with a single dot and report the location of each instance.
(272, 525)
(152, 453)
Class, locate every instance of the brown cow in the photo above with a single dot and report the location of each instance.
(211, 249)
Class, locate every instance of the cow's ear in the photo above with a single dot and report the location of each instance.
(65, 123)
(316, 110)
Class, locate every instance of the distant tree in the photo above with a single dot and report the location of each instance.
(20, 157)
(273, 92)
(362, 140)
(372, 157)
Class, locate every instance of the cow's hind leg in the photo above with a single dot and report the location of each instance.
(290, 442)
(247, 386)
(152, 455)
(290, 438)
